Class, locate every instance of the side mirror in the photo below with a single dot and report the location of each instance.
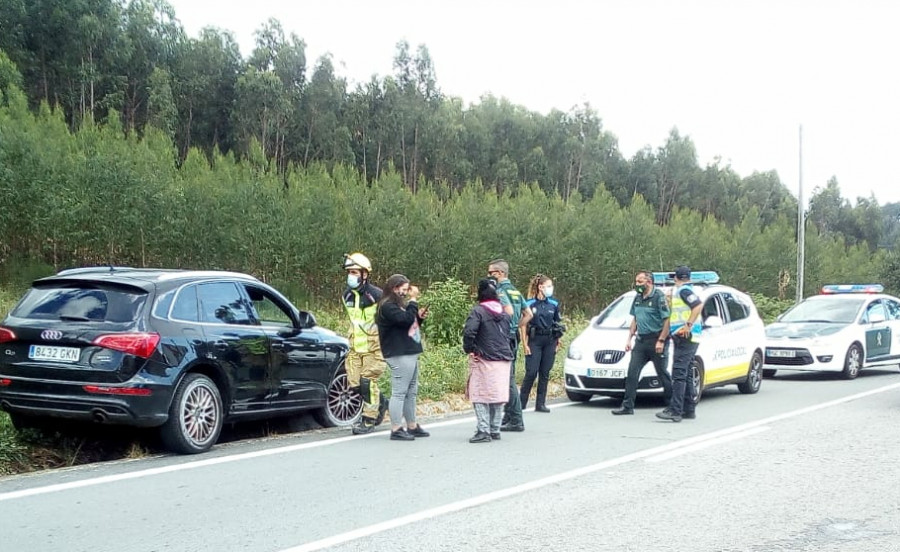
(713, 322)
(288, 332)
(306, 319)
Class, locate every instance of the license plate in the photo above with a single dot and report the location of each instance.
(781, 353)
(46, 352)
(605, 373)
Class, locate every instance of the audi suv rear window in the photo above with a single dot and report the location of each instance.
(81, 303)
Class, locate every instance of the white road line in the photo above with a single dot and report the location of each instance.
(706, 444)
(213, 461)
(741, 431)
(328, 442)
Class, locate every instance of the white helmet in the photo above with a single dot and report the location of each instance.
(357, 261)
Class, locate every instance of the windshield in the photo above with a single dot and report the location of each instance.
(617, 315)
(836, 310)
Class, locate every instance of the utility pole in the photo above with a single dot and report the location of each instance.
(801, 226)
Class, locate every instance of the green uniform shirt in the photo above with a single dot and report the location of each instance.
(509, 295)
(650, 312)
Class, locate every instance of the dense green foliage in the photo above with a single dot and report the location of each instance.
(98, 196)
(130, 63)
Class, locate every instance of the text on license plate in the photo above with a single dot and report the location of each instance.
(605, 373)
(47, 352)
(781, 353)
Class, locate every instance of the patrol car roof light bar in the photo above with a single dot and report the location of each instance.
(852, 288)
(702, 277)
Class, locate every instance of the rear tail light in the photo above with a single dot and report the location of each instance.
(6, 335)
(106, 390)
(138, 344)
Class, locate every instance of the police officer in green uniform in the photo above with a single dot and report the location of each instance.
(513, 303)
(650, 324)
(684, 327)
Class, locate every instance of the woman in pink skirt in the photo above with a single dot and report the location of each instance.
(486, 340)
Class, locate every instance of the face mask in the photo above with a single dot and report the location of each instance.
(493, 279)
(640, 288)
(548, 291)
(352, 281)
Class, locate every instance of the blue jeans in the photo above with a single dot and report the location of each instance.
(682, 379)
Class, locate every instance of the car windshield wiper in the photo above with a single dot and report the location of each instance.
(70, 318)
(816, 321)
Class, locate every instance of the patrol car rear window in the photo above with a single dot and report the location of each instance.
(837, 310)
(617, 315)
(80, 303)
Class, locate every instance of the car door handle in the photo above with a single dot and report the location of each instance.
(225, 342)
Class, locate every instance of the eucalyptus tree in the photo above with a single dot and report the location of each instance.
(416, 98)
(205, 78)
(152, 35)
(161, 111)
(325, 135)
(676, 169)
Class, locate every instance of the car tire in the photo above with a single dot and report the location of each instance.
(343, 406)
(697, 375)
(769, 373)
(575, 396)
(852, 362)
(196, 416)
(754, 375)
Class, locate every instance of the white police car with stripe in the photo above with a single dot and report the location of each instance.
(844, 329)
(730, 352)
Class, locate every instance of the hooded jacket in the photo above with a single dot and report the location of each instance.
(486, 332)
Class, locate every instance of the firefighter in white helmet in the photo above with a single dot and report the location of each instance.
(364, 361)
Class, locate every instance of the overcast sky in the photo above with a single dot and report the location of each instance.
(739, 78)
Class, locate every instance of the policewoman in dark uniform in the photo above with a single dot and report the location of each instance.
(651, 326)
(540, 337)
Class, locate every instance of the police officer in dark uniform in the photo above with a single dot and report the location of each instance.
(651, 325)
(540, 337)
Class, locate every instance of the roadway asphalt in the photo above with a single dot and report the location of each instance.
(808, 463)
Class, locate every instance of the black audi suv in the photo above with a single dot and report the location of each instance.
(183, 350)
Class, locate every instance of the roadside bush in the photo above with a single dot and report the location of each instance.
(442, 369)
(15, 456)
(449, 303)
(770, 308)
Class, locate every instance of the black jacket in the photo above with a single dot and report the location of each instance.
(398, 329)
(486, 333)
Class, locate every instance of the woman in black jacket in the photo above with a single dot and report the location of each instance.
(486, 340)
(399, 319)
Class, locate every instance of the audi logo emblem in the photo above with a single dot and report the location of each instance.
(51, 335)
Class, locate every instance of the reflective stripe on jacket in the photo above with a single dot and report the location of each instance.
(681, 313)
(361, 309)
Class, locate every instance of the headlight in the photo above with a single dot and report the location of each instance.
(574, 353)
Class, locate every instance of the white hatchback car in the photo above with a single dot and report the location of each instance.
(844, 329)
(730, 351)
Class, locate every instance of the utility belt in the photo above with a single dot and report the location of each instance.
(555, 332)
(648, 336)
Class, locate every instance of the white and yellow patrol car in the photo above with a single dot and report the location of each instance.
(844, 329)
(730, 352)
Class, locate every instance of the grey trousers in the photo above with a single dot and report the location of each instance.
(404, 388)
(488, 417)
